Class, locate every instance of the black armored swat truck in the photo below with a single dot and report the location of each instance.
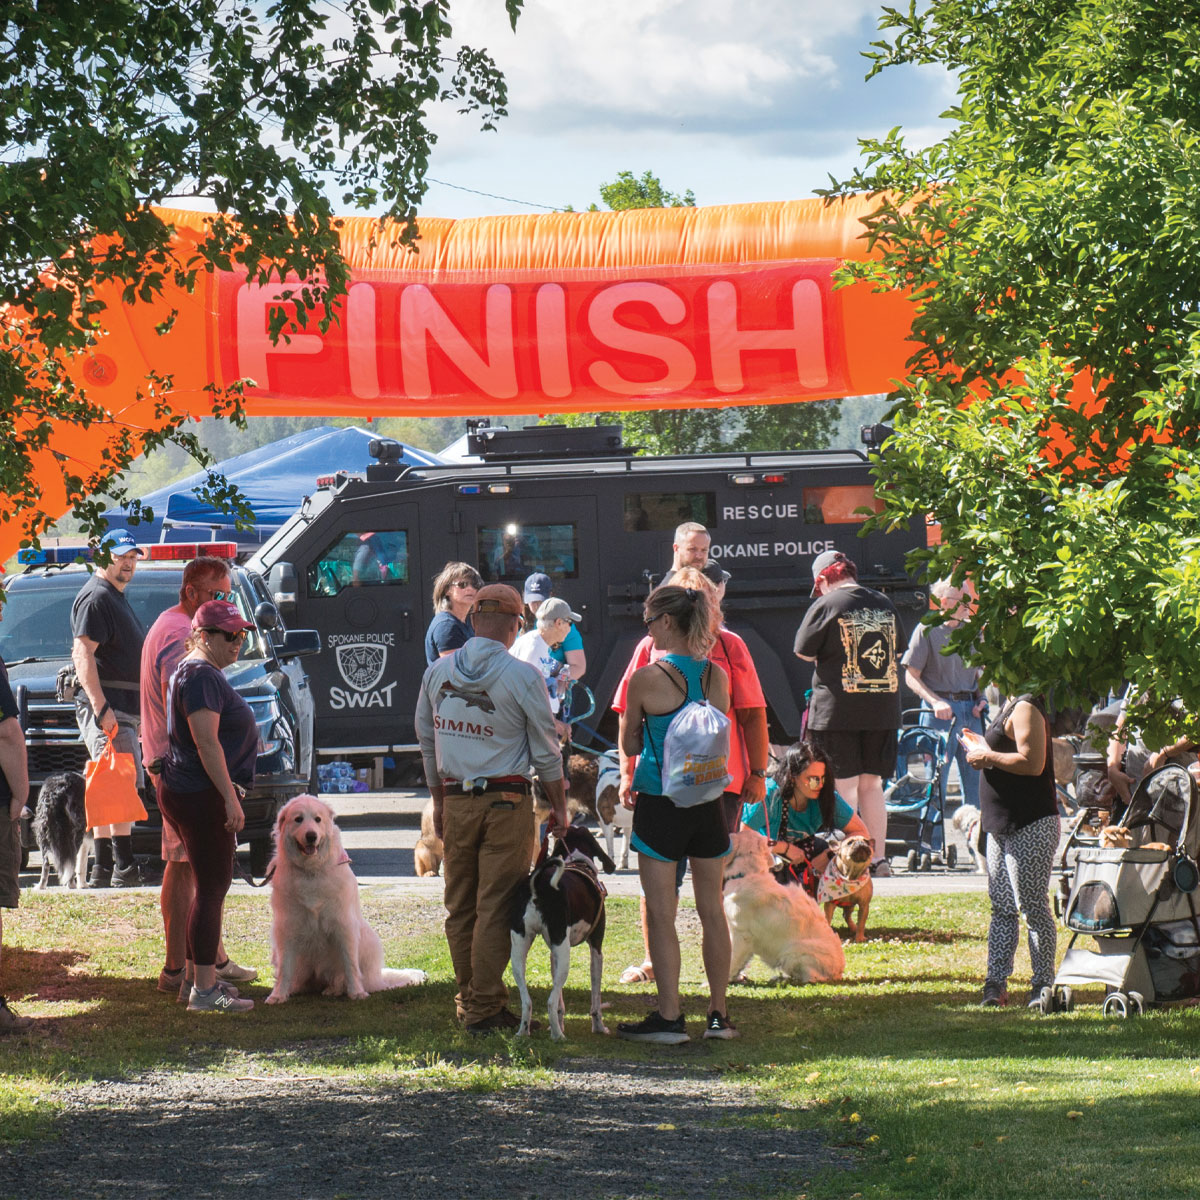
(599, 520)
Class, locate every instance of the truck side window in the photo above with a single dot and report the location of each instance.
(510, 553)
(838, 505)
(665, 511)
(369, 558)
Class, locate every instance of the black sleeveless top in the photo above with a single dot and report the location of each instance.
(1007, 801)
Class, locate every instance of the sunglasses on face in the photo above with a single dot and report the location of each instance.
(650, 620)
(813, 778)
(240, 636)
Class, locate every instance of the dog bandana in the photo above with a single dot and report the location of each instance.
(833, 885)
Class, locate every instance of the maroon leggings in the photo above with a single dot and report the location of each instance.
(200, 819)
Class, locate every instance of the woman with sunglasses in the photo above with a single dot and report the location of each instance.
(453, 597)
(801, 805)
(212, 747)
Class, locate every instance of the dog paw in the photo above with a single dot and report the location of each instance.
(276, 998)
(358, 995)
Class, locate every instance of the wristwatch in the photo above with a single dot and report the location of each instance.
(761, 774)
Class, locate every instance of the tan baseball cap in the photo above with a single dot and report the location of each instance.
(499, 598)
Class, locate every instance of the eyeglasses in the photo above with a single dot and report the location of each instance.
(650, 620)
(813, 778)
(219, 595)
(458, 583)
(240, 636)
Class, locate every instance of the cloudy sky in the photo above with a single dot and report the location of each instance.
(758, 100)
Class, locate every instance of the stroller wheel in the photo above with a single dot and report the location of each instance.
(926, 862)
(1117, 1004)
(952, 857)
(1137, 1002)
(910, 863)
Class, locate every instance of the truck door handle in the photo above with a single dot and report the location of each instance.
(406, 625)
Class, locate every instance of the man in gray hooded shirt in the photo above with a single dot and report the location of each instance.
(483, 721)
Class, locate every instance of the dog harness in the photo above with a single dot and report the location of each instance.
(579, 864)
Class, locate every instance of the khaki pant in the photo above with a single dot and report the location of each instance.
(487, 856)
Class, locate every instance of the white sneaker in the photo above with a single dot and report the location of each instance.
(217, 999)
(232, 973)
(187, 985)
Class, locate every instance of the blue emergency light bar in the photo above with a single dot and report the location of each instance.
(54, 556)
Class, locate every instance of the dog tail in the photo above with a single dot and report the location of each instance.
(549, 878)
(398, 978)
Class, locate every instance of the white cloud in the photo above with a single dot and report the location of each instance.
(758, 100)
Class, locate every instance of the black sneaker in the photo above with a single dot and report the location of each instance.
(99, 878)
(130, 876)
(656, 1028)
(995, 995)
(720, 1026)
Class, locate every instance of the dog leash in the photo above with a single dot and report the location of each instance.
(246, 877)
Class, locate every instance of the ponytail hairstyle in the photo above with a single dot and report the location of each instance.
(692, 611)
(694, 578)
(795, 762)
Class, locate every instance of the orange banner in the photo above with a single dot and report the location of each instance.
(651, 308)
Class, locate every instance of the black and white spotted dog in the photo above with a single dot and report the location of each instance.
(563, 902)
(60, 827)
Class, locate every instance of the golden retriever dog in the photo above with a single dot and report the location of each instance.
(429, 851)
(846, 884)
(319, 939)
(782, 925)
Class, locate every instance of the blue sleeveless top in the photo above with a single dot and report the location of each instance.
(648, 776)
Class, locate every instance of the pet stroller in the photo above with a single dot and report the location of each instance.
(1138, 904)
(915, 808)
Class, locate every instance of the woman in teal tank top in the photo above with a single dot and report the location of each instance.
(680, 623)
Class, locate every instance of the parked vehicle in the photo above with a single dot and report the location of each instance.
(357, 562)
(35, 641)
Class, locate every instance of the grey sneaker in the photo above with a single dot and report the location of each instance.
(656, 1028)
(185, 989)
(881, 869)
(217, 999)
(230, 972)
(10, 1022)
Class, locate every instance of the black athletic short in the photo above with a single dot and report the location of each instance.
(858, 751)
(667, 832)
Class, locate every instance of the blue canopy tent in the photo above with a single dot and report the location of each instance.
(274, 479)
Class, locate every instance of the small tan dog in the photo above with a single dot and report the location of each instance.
(320, 941)
(429, 851)
(846, 884)
(1115, 837)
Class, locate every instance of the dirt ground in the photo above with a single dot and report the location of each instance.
(597, 1131)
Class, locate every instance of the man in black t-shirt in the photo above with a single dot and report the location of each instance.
(107, 653)
(852, 634)
(14, 791)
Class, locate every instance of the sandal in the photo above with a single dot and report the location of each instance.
(638, 974)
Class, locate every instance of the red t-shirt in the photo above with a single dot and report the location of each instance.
(731, 654)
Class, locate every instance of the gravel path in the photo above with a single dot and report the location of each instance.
(597, 1130)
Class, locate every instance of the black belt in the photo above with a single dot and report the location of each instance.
(961, 695)
(504, 783)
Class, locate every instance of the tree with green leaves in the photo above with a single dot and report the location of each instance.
(1049, 237)
(701, 430)
(110, 109)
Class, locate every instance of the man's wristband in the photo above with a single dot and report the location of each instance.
(107, 708)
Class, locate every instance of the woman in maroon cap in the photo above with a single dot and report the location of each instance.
(212, 748)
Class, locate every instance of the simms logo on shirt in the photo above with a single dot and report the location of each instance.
(454, 716)
(869, 642)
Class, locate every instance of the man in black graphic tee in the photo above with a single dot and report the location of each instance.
(852, 634)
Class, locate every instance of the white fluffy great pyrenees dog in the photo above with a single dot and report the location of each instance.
(782, 925)
(319, 939)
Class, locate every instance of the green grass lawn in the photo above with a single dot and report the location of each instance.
(939, 1097)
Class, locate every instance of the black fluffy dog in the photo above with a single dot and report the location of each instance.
(60, 828)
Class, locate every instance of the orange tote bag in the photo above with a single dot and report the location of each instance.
(111, 795)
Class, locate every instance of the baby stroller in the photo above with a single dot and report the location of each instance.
(1138, 905)
(915, 810)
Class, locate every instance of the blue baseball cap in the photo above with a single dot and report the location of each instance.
(538, 587)
(119, 542)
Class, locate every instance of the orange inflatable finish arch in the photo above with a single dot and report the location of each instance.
(652, 308)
